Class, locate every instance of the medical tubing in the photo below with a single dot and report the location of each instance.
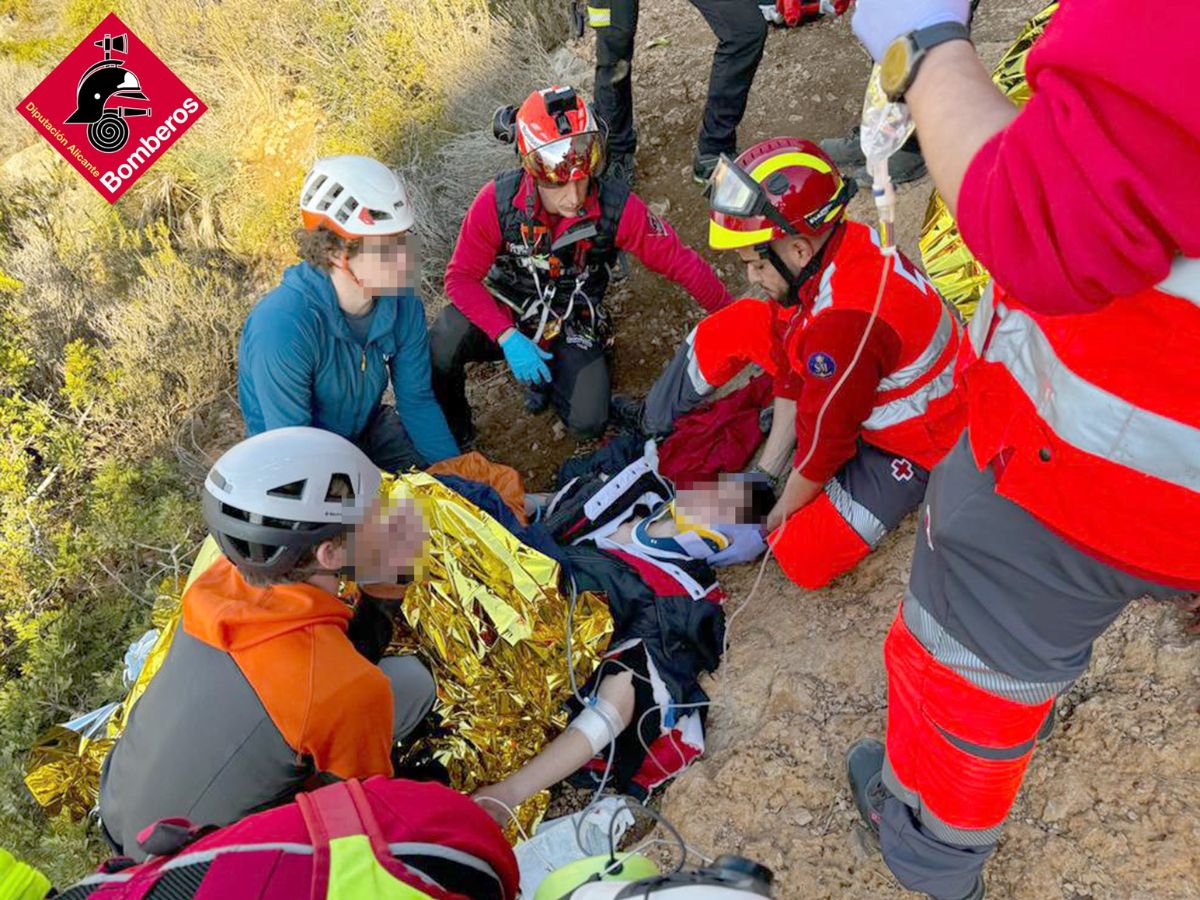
(512, 817)
(635, 805)
(889, 252)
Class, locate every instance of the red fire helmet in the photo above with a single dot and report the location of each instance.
(779, 187)
(559, 138)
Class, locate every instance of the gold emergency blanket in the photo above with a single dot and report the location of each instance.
(957, 275)
(63, 771)
(487, 614)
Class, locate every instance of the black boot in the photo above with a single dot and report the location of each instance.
(620, 168)
(864, 770)
(625, 414)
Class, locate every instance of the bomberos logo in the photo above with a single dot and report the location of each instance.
(103, 115)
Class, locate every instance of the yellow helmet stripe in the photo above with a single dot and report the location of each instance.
(769, 167)
(722, 238)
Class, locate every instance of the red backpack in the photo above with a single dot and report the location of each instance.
(382, 838)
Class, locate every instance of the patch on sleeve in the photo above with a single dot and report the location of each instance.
(821, 364)
(656, 225)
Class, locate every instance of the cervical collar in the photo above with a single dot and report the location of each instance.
(694, 541)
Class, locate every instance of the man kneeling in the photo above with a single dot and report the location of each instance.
(262, 689)
(859, 344)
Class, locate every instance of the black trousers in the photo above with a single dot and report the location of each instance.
(386, 442)
(741, 33)
(579, 390)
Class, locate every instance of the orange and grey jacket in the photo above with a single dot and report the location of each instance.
(260, 691)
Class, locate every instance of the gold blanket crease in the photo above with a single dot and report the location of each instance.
(487, 614)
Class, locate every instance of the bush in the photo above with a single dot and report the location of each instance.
(118, 324)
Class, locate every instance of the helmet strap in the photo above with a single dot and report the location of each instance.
(796, 280)
(344, 266)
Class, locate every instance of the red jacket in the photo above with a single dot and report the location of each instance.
(900, 394)
(640, 233)
(1086, 202)
(1093, 189)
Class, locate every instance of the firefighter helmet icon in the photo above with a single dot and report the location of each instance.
(102, 82)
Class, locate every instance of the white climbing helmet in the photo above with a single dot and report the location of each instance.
(354, 196)
(274, 496)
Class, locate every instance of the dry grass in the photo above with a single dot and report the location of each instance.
(125, 319)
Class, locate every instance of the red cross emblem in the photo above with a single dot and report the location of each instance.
(902, 470)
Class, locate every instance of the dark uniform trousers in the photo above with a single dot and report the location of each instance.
(741, 33)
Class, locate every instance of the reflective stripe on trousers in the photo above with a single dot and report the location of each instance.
(956, 752)
(1081, 413)
(864, 522)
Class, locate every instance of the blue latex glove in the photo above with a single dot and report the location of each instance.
(879, 22)
(525, 358)
(746, 542)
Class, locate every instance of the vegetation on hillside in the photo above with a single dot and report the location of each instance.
(119, 325)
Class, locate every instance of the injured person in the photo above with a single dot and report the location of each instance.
(859, 345)
(639, 719)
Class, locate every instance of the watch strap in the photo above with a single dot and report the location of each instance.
(925, 39)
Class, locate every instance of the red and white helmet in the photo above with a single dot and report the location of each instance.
(779, 187)
(354, 196)
(559, 138)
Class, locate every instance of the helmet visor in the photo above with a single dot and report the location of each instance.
(733, 191)
(567, 159)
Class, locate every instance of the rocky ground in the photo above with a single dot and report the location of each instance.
(1110, 805)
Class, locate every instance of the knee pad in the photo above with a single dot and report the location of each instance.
(817, 545)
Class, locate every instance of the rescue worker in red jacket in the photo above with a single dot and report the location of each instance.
(1076, 487)
(528, 275)
(869, 404)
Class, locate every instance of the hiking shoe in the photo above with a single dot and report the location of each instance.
(846, 152)
(620, 168)
(702, 167)
(904, 166)
(536, 399)
(625, 413)
(864, 770)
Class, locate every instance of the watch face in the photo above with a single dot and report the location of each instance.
(894, 67)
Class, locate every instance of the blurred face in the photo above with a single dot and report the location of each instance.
(795, 253)
(385, 548)
(715, 504)
(564, 199)
(386, 264)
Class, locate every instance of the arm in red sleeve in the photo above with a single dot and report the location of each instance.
(1093, 189)
(656, 244)
(479, 240)
(828, 346)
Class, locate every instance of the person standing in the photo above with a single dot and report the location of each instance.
(741, 34)
(1075, 488)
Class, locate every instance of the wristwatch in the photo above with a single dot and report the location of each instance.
(903, 56)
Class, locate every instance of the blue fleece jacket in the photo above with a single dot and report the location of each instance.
(298, 364)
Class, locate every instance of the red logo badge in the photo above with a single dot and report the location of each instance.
(902, 470)
(111, 108)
